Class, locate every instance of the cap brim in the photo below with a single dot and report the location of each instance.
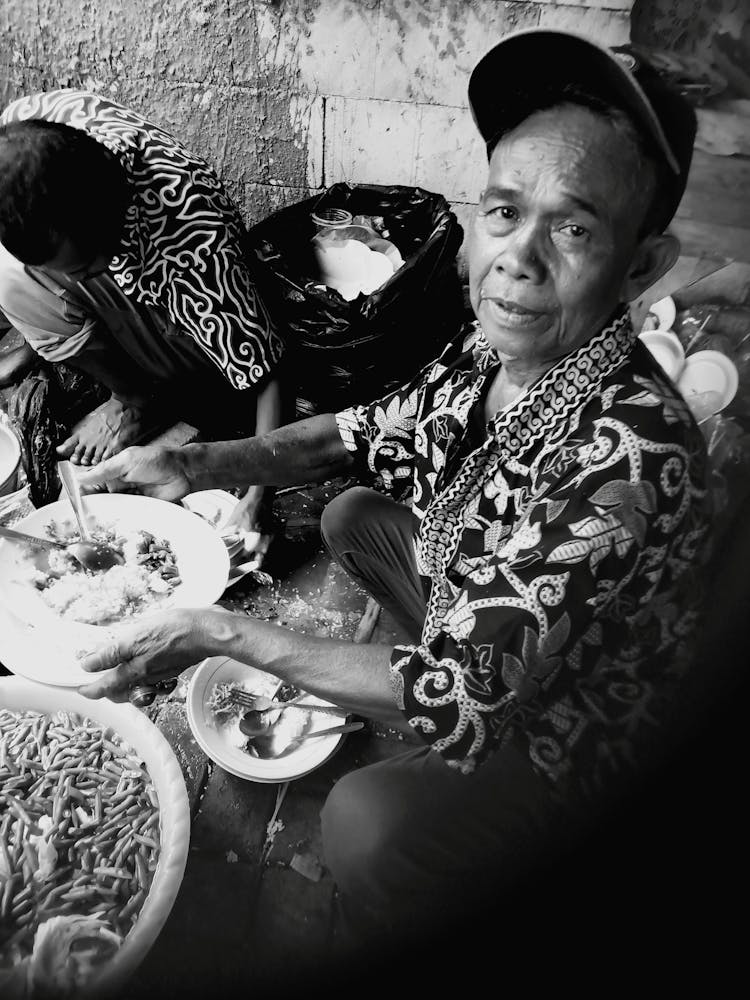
(535, 58)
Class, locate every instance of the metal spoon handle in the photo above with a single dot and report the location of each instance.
(350, 727)
(30, 540)
(73, 491)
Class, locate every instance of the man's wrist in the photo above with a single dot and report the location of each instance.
(211, 631)
(195, 464)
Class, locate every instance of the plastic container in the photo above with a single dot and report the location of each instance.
(326, 219)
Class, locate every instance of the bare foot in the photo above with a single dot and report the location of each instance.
(106, 431)
(15, 364)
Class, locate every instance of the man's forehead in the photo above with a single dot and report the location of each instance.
(572, 150)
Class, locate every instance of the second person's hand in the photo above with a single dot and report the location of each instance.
(155, 648)
(153, 470)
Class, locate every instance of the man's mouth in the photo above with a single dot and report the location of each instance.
(509, 311)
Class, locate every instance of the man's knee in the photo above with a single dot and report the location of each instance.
(342, 514)
(360, 827)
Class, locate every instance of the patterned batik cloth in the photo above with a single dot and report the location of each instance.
(182, 247)
(560, 554)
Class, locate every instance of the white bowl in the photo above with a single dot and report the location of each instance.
(10, 460)
(40, 645)
(18, 694)
(220, 742)
(708, 372)
(667, 349)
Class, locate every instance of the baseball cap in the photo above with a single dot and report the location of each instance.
(518, 75)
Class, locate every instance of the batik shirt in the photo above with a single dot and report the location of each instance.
(181, 250)
(557, 552)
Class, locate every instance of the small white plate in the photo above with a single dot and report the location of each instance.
(708, 371)
(665, 312)
(667, 349)
(216, 507)
(220, 741)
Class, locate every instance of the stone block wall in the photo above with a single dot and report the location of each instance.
(286, 97)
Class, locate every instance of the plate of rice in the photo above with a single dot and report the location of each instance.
(54, 610)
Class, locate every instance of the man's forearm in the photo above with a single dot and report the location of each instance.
(350, 675)
(307, 451)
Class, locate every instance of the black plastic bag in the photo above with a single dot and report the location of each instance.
(43, 409)
(341, 352)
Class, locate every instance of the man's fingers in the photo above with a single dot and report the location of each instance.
(106, 657)
(101, 689)
(107, 473)
(115, 685)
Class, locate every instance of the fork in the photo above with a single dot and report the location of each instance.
(245, 699)
(260, 703)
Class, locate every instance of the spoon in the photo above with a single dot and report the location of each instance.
(45, 544)
(257, 720)
(262, 744)
(91, 554)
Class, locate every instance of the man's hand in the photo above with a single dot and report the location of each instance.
(252, 519)
(155, 648)
(153, 470)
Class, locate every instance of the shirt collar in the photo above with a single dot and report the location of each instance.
(563, 387)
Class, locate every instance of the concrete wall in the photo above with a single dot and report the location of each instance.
(285, 97)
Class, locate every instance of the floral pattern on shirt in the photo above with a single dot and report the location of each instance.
(182, 249)
(559, 554)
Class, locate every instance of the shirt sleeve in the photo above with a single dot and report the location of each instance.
(194, 253)
(218, 306)
(532, 641)
(382, 436)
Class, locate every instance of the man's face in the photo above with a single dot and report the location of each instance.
(75, 264)
(554, 234)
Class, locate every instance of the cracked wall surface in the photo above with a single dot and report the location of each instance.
(286, 97)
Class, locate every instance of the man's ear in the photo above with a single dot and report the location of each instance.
(654, 256)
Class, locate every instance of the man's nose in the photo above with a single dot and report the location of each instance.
(520, 256)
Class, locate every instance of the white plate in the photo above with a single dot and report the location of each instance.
(19, 694)
(215, 507)
(218, 743)
(38, 644)
(709, 371)
(665, 311)
(665, 346)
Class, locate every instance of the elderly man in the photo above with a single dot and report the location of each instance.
(122, 255)
(543, 569)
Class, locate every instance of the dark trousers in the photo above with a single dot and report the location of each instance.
(409, 841)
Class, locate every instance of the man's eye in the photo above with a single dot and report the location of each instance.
(503, 212)
(575, 231)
